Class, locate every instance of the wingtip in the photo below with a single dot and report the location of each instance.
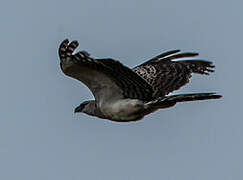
(65, 41)
(195, 53)
(62, 48)
(75, 42)
(63, 45)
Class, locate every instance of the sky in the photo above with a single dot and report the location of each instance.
(41, 137)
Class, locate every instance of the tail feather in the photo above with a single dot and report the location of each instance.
(192, 97)
(169, 101)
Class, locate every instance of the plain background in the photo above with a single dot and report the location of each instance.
(41, 138)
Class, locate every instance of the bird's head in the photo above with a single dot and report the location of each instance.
(90, 108)
(83, 107)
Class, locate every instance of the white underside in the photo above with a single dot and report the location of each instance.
(125, 109)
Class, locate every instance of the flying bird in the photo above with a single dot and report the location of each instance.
(123, 94)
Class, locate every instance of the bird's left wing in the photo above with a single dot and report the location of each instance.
(166, 75)
(106, 78)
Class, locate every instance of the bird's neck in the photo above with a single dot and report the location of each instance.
(93, 110)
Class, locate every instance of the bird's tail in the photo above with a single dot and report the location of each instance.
(169, 101)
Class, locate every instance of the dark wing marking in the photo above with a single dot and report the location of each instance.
(165, 75)
(106, 78)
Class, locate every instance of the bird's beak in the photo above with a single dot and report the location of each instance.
(77, 109)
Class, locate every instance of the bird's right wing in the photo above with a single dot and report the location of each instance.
(106, 78)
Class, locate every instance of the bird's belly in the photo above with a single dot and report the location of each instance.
(123, 110)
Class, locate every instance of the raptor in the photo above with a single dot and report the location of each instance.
(122, 94)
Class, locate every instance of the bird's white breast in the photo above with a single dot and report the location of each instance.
(124, 109)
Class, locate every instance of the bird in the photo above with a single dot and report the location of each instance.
(123, 94)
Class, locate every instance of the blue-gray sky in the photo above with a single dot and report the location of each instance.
(41, 138)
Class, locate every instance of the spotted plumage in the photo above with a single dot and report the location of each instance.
(123, 94)
(165, 75)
